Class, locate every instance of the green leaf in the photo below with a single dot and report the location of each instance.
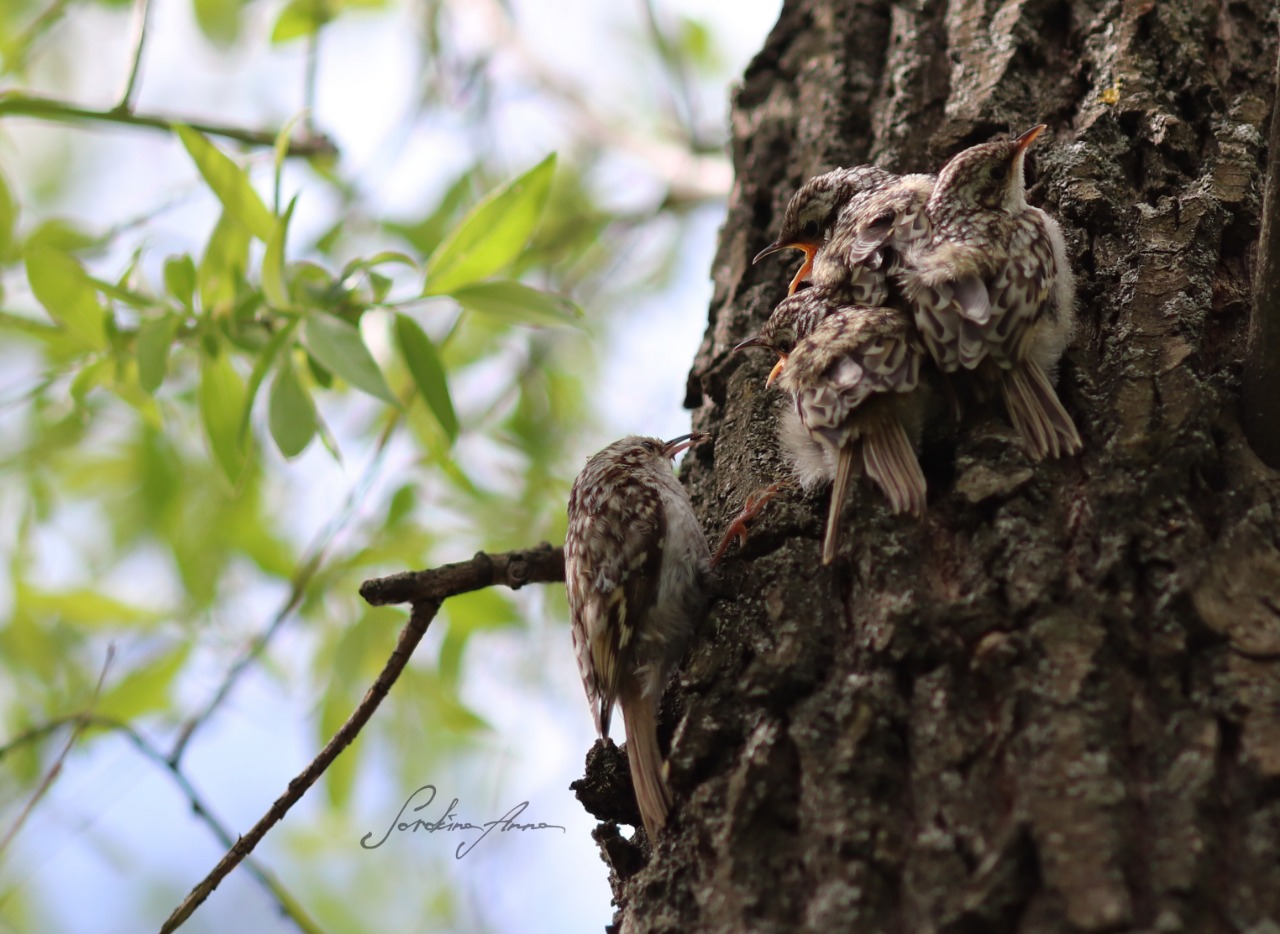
(8, 220)
(146, 688)
(428, 233)
(266, 359)
(229, 182)
(338, 346)
(221, 399)
(180, 278)
(300, 18)
(86, 608)
(219, 20)
(222, 269)
(62, 286)
(155, 338)
(428, 373)
(273, 286)
(279, 152)
(291, 413)
(479, 611)
(493, 233)
(516, 303)
(97, 373)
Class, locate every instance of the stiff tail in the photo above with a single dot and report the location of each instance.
(640, 715)
(844, 468)
(892, 463)
(1037, 413)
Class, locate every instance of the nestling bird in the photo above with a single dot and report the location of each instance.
(636, 572)
(992, 289)
(811, 216)
(874, 228)
(856, 385)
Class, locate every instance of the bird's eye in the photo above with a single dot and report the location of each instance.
(998, 172)
(810, 229)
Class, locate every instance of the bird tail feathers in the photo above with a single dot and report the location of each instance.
(653, 796)
(1037, 413)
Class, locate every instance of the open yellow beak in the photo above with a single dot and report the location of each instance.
(808, 249)
(777, 370)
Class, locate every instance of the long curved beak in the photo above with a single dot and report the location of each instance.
(683, 442)
(1029, 137)
(749, 342)
(772, 248)
(777, 370)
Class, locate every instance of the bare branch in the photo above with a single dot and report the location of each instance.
(540, 565)
(13, 103)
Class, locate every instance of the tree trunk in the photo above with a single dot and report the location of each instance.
(1052, 705)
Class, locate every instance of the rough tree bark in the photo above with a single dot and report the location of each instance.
(1053, 705)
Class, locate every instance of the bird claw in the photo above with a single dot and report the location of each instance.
(738, 528)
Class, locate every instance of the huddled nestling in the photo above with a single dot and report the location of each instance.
(916, 281)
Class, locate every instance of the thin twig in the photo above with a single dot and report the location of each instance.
(141, 19)
(13, 103)
(426, 590)
(310, 83)
(51, 776)
(1262, 359)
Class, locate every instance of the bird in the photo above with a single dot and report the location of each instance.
(874, 228)
(992, 290)
(637, 572)
(811, 216)
(855, 383)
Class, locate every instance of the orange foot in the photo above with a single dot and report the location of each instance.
(738, 528)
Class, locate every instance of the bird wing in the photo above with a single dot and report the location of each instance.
(1020, 293)
(853, 356)
(615, 587)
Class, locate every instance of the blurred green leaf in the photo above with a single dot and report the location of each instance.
(516, 303)
(180, 278)
(8, 221)
(273, 287)
(221, 399)
(146, 688)
(155, 338)
(62, 235)
(300, 18)
(291, 413)
(479, 611)
(62, 286)
(229, 182)
(492, 235)
(261, 366)
(428, 373)
(85, 608)
(222, 269)
(338, 346)
(219, 20)
(428, 233)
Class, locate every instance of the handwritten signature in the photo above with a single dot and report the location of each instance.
(448, 821)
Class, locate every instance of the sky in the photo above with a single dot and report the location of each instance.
(115, 820)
